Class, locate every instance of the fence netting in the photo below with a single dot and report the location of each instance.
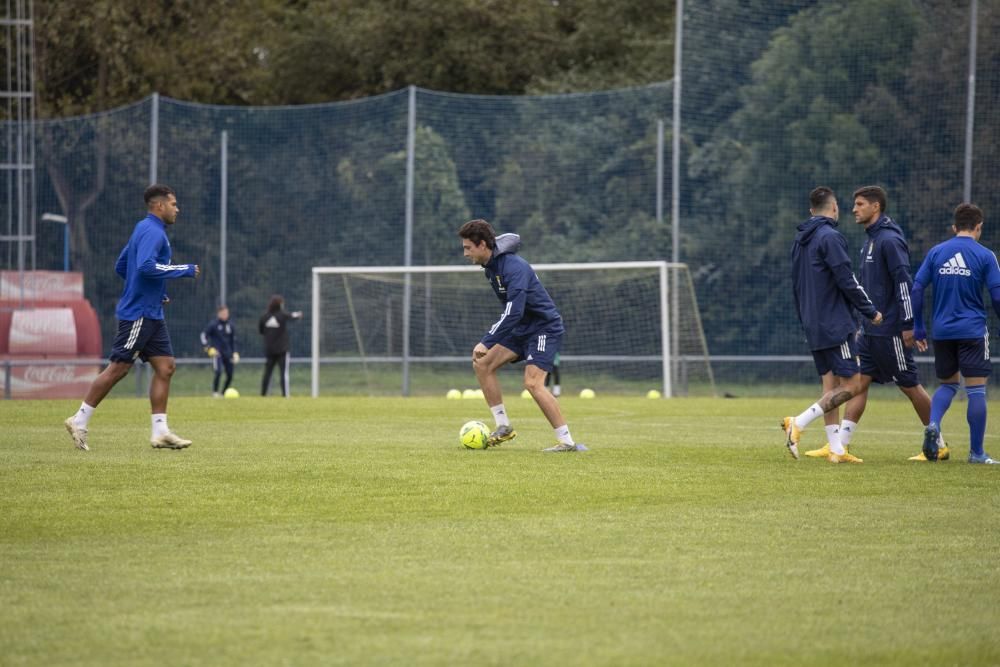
(777, 97)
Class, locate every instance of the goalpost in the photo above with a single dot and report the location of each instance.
(630, 326)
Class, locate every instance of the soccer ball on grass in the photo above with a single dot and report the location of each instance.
(473, 435)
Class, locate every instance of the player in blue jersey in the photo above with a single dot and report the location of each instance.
(144, 265)
(218, 339)
(826, 296)
(958, 269)
(884, 273)
(529, 329)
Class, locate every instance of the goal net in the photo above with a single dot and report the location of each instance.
(382, 330)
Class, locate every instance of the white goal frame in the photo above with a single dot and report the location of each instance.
(318, 271)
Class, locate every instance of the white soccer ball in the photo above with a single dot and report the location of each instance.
(453, 394)
(652, 393)
(587, 393)
(473, 435)
(231, 393)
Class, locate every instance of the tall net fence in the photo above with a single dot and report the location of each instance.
(776, 98)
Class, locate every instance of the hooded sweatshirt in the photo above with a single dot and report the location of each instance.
(826, 291)
(885, 274)
(528, 308)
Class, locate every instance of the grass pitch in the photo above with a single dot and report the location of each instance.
(357, 531)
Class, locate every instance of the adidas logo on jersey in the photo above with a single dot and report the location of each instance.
(955, 267)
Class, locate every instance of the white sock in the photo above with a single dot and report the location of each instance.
(806, 418)
(556, 390)
(562, 434)
(500, 415)
(941, 440)
(83, 415)
(847, 428)
(160, 424)
(836, 447)
(832, 434)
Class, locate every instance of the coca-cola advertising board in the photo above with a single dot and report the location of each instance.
(42, 331)
(41, 286)
(60, 381)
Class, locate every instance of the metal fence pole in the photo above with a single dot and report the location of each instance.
(411, 141)
(970, 102)
(675, 177)
(223, 215)
(154, 137)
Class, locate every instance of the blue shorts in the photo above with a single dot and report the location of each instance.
(970, 356)
(539, 349)
(142, 338)
(885, 359)
(842, 360)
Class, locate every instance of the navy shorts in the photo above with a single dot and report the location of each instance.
(842, 360)
(885, 359)
(142, 338)
(538, 349)
(970, 356)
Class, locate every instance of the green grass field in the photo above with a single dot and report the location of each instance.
(357, 531)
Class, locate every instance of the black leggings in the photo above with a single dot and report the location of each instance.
(218, 364)
(282, 361)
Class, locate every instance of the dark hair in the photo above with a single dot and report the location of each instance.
(478, 231)
(221, 306)
(274, 305)
(873, 193)
(967, 217)
(156, 191)
(820, 197)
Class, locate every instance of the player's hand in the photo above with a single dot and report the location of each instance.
(919, 338)
(921, 345)
(479, 351)
(908, 339)
(197, 270)
(877, 320)
(297, 314)
(165, 300)
(211, 352)
(236, 357)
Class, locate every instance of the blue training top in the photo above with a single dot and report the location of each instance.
(144, 264)
(958, 269)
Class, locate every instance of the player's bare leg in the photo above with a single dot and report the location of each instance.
(485, 363)
(159, 391)
(534, 382)
(831, 420)
(99, 388)
(106, 381)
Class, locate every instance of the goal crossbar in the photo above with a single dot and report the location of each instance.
(318, 271)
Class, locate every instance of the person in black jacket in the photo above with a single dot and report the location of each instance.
(826, 296)
(274, 327)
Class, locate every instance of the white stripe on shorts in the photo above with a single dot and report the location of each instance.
(897, 344)
(134, 334)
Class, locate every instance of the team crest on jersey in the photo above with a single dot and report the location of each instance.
(500, 286)
(871, 249)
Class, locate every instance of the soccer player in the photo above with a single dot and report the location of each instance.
(958, 269)
(219, 342)
(826, 294)
(530, 329)
(884, 273)
(144, 265)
